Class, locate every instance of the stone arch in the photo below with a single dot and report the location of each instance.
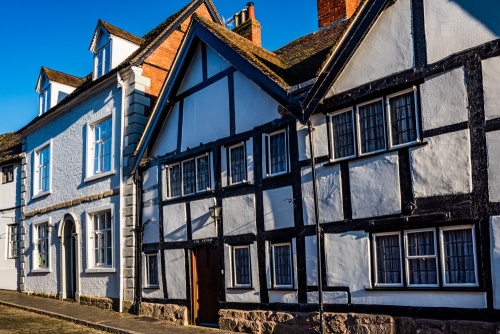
(70, 235)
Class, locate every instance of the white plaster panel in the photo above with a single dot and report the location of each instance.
(453, 26)
(329, 194)
(375, 189)
(150, 177)
(175, 273)
(167, 139)
(421, 299)
(493, 152)
(328, 297)
(202, 224)
(215, 63)
(151, 229)
(320, 137)
(253, 107)
(8, 271)
(278, 208)
(495, 259)
(122, 49)
(347, 260)
(393, 31)
(174, 222)
(206, 115)
(9, 192)
(194, 73)
(491, 84)
(443, 166)
(311, 260)
(242, 296)
(444, 100)
(149, 196)
(239, 215)
(288, 297)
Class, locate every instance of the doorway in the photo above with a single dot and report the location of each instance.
(69, 260)
(206, 284)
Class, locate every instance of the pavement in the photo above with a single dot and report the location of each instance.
(104, 320)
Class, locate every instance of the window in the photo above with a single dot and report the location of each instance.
(277, 160)
(402, 118)
(13, 241)
(42, 170)
(7, 174)
(241, 266)
(41, 258)
(101, 233)
(189, 176)
(282, 265)
(101, 146)
(44, 100)
(371, 127)
(342, 125)
(102, 61)
(456, 247)
(237, 166)
(152, 270)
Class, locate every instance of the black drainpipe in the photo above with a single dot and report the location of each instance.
(139, 233)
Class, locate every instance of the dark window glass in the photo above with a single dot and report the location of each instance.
(421, 257)
(237, 161)
(152, 266)
(203, 173)
(388, 256)
(343, 135)
(175, 180)
(403, 119)
(242, 265)
(277, 153)
(7, 174)
(371, 124)
(459, 257)
(282, 265)
(188, 177)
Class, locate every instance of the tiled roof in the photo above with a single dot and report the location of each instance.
(10, 147)
(120, 33)
(66, 79)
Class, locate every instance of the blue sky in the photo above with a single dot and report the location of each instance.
(57, 34)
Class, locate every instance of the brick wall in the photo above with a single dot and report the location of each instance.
(333, 10)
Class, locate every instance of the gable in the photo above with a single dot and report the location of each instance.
(386, 49)
(102, 39)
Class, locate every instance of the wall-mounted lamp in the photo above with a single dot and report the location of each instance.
(215, 212)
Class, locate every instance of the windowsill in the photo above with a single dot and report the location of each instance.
(151, 288)
(283, 289)
(98, 176)
(426, 289)
(245, 288)
(41, 194)
(41, 271)
(100, 270)
(269, 176)
(188, 196)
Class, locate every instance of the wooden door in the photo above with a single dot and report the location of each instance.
(206, 275)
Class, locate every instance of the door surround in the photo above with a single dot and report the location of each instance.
(76, 236)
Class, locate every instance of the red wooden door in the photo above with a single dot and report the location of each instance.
(206, 293)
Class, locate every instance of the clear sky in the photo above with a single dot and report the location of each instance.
(57, 34)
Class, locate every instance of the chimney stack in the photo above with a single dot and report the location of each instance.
(246, 25)
(330, 11)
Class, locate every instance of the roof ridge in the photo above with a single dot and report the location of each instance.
(45, 68)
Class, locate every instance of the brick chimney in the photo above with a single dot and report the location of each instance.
(330, 11)
(246, 25)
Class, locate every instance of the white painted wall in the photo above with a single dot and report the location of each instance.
(194, 73)
(174, 222)
(311, 260)
(493, 151)
(278, 208)
(370, 62)
(277, 296)
(375, 189)
(329, 188)
(242, 295)
(175, 272)
(166, 141)
(443, 166)
(121, 50)
(58, 91)
(8, 270)
(444, 100)
(238, 215)
(10, 192)
(491, 82)
(320, 133)
(495, 259)
(215, 63)
(202, 225)
(453, 26)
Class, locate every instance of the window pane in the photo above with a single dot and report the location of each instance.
(282, 265)
(103, 242)
(242, 266)
(203, 173)
(152, 273)
(388, 259)
(421, 254)
(403, 120)
(371, 124)
(343, 135)
(43, 169)
(459, 257)
(237, 161)
(102, 146)
(175, 181)
(188, 177)
(277, 153)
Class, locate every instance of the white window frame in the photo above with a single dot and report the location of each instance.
(332, 131)
(103, 54)
(388, 114)
(5, 172)
(268, 153)
(233, 266)
(358, 124)
(36, 172)
(206, 155)
(10, 243)
(147, 260)
(89, 163)
(169, 188)
(44, 100)
(195, 159)
(229, 172)
(374, 250)
(35, 266)
(442, 256)
(273, 263)
(91, 265)
(435, 257)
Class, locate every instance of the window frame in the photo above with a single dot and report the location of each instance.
(332, 131)
(103, 54)
(388, 115)
(35, 262)
(233, 266)
(384, 127)
(268, 153)
(442, 254)
(36, 169)
(44, 100)
(13, 245)
(90, 134)
(401, 259)
(230, 163)
(92, 266)
(147, 260)
(169, 181)
(180, 163)
(435, 257)
(273, 264)
(209, 172)
(7, 170)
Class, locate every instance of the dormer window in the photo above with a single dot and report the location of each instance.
(102, 61)
(44, 100)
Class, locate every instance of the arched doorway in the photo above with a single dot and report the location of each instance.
(69, 276)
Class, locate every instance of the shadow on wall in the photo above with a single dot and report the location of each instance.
(485, 11)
